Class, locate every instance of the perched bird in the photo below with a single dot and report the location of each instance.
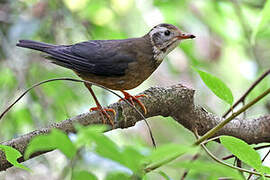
(116, 64)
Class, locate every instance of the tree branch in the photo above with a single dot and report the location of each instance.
(176, 101)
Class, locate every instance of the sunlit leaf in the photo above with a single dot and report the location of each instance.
(146, 177)
(210, 168)
(105, 147)
(266, 169)
(84, 133)
(169, 151)
(12, 155)
(243, 151)
(81, 175)
(218, 87)
(132, 158)
(117, 176)
(164, 175)
(56, 139)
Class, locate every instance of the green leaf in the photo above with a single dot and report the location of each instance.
(264, 18)
(56, 139)
(218, 87)
(169, 151)
(266, 169)
(163, 174)
(242, 151)
(127, 156)
(104, 146)
(96, 128)
(210, 168)
(146, 177)
(84, 133)
(12, 155)
(117, 176)
(132, 159)
(81, 175)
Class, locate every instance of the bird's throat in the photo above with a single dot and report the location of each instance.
(161, 53)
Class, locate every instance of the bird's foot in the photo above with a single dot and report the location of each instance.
(133, 99)
(103, 112)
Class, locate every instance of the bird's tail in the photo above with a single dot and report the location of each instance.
(34, 45)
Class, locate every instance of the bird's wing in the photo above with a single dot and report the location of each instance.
(101, 57)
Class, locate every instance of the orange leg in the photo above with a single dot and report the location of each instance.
(131, 99)
(99, 108)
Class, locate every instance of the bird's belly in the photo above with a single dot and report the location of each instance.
(115, 83)
(134, 77)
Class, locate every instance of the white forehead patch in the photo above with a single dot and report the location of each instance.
(157, 29)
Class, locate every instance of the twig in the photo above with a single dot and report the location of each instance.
(265, 156)
(193, 159)
(226, 164)
(256, 148)
(226, 121)
(211, 132)
(248, 91)
(161, 163)
(239, 164)
(263, 159)
(78, 80)
(176, 101)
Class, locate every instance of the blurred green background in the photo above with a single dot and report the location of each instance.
(225, 46)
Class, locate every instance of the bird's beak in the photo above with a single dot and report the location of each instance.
(185, 36)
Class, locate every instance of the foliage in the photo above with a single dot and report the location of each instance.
(243, 151)
(137, 159)
(78, 175)
(54, 140)
(217, 86)
(12, 155)
(232, 44)
(92, 137)
(214, 170)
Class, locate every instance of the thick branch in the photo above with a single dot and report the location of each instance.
(175, 101)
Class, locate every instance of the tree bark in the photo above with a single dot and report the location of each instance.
(176, 101)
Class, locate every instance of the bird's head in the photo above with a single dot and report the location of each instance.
(164, 38)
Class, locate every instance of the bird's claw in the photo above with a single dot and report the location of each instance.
(103, 113)
(131, 99)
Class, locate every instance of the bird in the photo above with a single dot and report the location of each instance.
(120, 64)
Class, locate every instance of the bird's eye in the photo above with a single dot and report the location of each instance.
(167, 33)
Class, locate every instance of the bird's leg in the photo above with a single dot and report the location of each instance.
(131, 99)
(99, 108)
